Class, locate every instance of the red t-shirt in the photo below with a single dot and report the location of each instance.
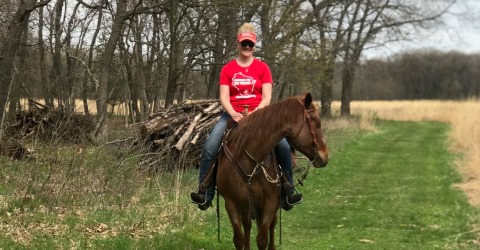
(245, 83)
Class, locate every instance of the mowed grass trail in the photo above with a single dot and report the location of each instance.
(391, 189)
(388, 189)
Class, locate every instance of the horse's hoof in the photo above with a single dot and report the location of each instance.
(197, 198)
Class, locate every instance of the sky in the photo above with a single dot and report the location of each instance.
(460, 32)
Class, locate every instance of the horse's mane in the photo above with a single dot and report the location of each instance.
(260, 124)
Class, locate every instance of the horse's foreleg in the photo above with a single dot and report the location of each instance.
(266, 227)
(236, 221)
(271, 244)
(247, 227)
(262, 236)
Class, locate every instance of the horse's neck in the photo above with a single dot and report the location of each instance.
(263, 143)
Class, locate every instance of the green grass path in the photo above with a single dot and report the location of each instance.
(386, 190)
(391, 189)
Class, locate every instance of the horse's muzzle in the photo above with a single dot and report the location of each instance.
(320, 160)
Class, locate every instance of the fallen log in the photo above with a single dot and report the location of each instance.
(189, 131)
(160, 124)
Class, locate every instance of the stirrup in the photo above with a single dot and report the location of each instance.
(205, 206)
(293, 199)
(198, 198)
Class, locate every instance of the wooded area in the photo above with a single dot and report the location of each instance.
(152, 53)
(420, 75)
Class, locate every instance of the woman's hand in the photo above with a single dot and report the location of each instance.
(237, 117)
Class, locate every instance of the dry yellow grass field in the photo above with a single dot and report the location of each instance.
(463, 117)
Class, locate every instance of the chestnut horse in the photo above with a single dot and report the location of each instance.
(248, 177)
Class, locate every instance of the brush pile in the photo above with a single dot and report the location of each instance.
(13, 149)
(48, 124)
(175, 136)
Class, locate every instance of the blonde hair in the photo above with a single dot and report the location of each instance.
(246, 27)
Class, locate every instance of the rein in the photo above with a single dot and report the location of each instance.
(258, 165)
(305, 171)
(248, 178)
(263, 167)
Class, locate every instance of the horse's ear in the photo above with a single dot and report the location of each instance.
(308, 100)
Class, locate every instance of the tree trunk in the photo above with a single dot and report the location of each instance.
(130, 88)
(140, 71)
(42, 64)
(71, 62)
(347, 86)
(326, 78)
(326, 95)
(174, 55)
(150, 81)
(212, 87)
(226, 34)
(58, 73)
(100, 133)
(20, 71)
(10, 47)
(85, 86)
(329, 50)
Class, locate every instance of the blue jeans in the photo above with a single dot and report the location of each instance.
(212, 146)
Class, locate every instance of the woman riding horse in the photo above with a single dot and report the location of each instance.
(248, 177)
(245, 83)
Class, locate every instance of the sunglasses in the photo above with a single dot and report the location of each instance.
(248, 43)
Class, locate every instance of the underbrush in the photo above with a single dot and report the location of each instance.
(78, 193)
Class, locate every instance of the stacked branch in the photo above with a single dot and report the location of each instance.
(175, 136)
(50, 124)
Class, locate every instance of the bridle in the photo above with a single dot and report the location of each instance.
(307, 117)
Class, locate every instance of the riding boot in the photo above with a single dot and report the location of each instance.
(289, 195)
(203, 198)
(283, 154)
(206, 190)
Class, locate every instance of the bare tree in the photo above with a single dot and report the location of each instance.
(176, 15)
(16, 27)
(138, 29)
(329, 25)
(223, 42)
(371, 17)
(44, 82)
(122, 13)
(281, 24)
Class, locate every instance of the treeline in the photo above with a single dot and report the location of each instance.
(146, 54)
(419, 75)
